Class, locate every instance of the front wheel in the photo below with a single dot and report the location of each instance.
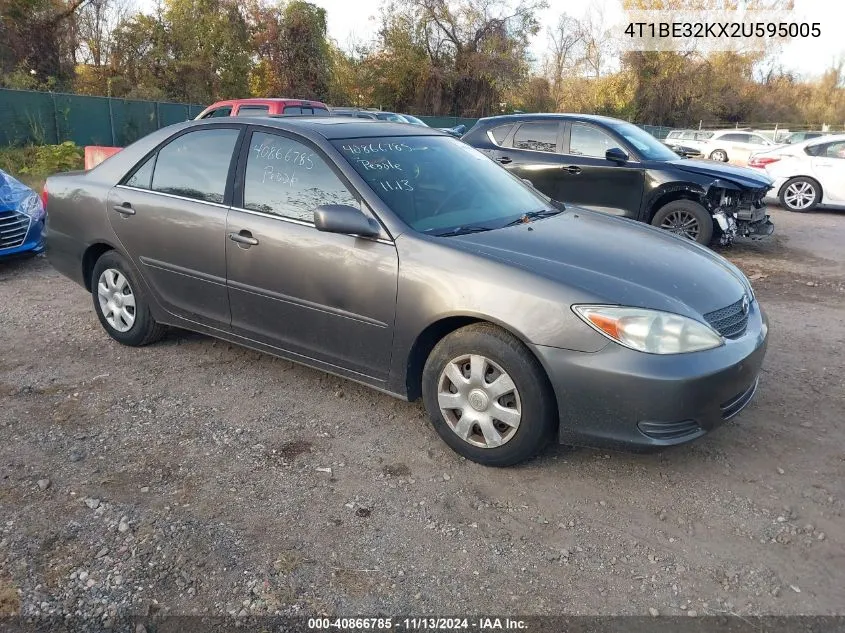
(488, 397)
(687, 219)
(120, 305)
(719, 155)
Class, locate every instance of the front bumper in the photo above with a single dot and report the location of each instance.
(620, 398)
(754, 223)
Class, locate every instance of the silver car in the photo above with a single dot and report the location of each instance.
(401, 258)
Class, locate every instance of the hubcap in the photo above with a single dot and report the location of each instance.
(799, 195)
(479, 401)
(682, 223)
(117, 301)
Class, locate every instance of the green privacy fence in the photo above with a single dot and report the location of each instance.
(40, 118)
(51, 117)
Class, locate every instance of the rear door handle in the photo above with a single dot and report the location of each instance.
(504, 160)
(124, 209)
(572, 169)
(244, 237)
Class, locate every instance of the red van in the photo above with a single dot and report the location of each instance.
(263, 107)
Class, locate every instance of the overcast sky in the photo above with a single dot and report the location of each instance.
(806, 56)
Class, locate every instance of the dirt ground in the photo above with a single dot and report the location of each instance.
(185, 478)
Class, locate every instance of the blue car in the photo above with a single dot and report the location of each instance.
(21, 218)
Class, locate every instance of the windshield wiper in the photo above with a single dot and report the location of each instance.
(463, 230)
(525, 218)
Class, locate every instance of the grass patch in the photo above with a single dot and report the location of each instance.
(33, 163)
(10, 603)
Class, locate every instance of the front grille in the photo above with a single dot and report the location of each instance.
(738, 402)
(730, 322)
(13, 228)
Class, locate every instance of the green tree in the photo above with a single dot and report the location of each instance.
(194, 51)
(293, 53)
(36, 38)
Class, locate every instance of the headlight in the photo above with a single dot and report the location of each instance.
(650, 331)
(32, 206)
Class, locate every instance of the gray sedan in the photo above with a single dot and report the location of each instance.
(401, 258)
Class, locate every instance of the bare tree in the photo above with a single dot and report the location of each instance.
(95, 24)
(566, 44)
(597, 41)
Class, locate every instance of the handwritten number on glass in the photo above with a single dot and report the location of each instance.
(295, 157)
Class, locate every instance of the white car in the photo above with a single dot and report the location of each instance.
(735, 146)
(806, 174)
(695, 139)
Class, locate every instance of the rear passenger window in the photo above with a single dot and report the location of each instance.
(219, 112)
(540, 136)
(253, 110)
(501, 132)
(292, 110)
(196, 165)
(287, 178)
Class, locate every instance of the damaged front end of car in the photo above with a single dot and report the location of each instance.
(738, 211)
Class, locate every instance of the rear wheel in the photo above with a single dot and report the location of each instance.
(120, 305)
(687, 219)
(488, 397)
(800, 194)
(719, 155)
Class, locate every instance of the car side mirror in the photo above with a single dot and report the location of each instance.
(342, 218)
(616, 155)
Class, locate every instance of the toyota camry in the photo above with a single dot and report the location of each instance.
(401, 258)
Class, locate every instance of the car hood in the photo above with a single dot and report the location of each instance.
(616, 261)
(741, 176)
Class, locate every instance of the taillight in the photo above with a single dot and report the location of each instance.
(44, 196)
(760, 162)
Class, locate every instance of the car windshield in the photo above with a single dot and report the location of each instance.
(646, 145)
(390, 116)
(439, 185)
(414, 120)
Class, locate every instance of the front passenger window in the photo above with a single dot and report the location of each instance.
(287, 178)
(587, 140)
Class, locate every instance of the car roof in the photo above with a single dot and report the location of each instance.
(265, 101)
(824, 140)
(331, 127)
(732, 130)
(516, 118)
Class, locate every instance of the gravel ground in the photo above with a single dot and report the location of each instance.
(194, 476)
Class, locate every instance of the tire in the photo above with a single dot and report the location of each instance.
(529, 406)
(677, 214)
(800, 194)
(112, 282)
(719, 155)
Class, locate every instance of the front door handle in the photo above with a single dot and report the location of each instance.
(244, 237)
(572, 169)
(124, 209)
(505, 160)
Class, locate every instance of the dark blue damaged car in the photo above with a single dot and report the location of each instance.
(21, 218)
